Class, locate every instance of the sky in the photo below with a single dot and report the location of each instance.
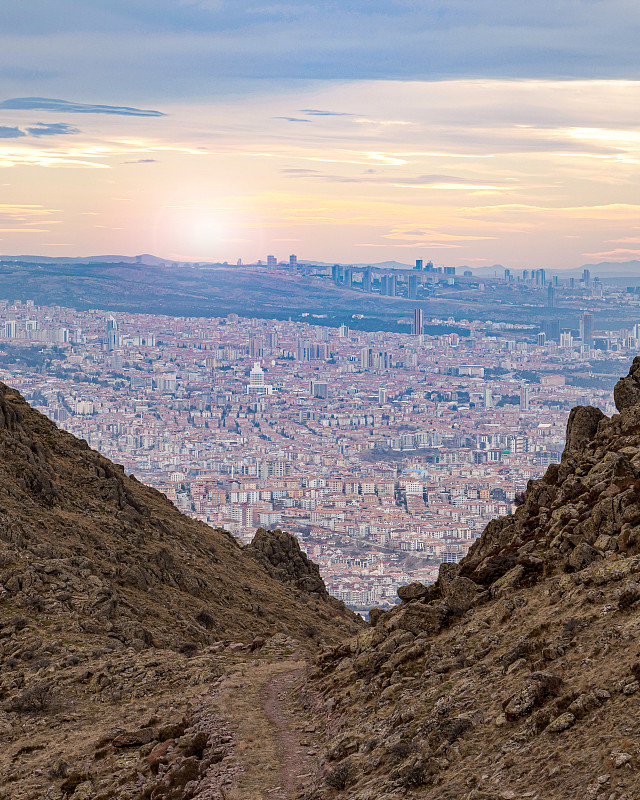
(462, 132)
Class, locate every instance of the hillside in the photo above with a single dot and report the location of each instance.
(518, 673)
(114, 607)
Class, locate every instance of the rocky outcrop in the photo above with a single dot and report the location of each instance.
(279, 552)
(626, 392)
(516, 673)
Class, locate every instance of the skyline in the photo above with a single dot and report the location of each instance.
(205, 132)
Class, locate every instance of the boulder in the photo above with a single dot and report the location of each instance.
(412, 591)
(460, 595)
(581, 428)
(418, 618)
(626, 392)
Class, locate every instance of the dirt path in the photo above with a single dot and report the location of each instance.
(294, 758)
(273, 748)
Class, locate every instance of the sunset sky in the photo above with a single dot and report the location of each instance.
(464, 132)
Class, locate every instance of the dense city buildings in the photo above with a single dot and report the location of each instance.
(385, 453)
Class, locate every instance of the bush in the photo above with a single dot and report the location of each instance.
(33, 700)
(340, 776)
(416, 774)
(206, 619)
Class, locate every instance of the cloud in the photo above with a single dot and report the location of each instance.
(293, 119)
(183, 48)
(419, 181)
(10, 133)
(296, 171)
(143, 161)
(52, 129)
(50, 104)
(315, 112)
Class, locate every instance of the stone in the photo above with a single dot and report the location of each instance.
(460, 595)
(626, 392)
(134, 738)
(561, 723)
(374, 616)
(581, 556)
(412, 591)
(581, 428)
(508, 581)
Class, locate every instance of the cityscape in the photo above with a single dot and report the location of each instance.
(384, 453)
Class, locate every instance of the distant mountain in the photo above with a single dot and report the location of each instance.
(146, 259)
(613, 269)
(603, 269)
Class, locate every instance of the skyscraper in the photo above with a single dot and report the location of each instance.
(293, 260)
(586, 328)
(524, 398)
(366, 280)
(418, 322)
(551, 296)
(412, 291)
(272, 261)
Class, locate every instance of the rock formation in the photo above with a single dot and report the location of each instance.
(518, 673)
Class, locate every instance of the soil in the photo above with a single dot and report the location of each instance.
(295, 762)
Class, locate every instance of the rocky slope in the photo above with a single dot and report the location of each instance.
(518, 673)
(113, 608)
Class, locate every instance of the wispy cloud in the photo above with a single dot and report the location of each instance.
(317, 112)
(417, 181)
(10, 133)
(52, 129)
(51, 104)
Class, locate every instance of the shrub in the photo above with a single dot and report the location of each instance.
(33, 700)
(340, 776)
(206, 619)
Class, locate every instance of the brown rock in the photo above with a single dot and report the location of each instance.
(134, 738)
(581, 428)
(412, 591)
(626, 392)
(170, 730)
(159, 754)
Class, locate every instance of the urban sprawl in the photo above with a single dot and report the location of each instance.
(384, 453)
